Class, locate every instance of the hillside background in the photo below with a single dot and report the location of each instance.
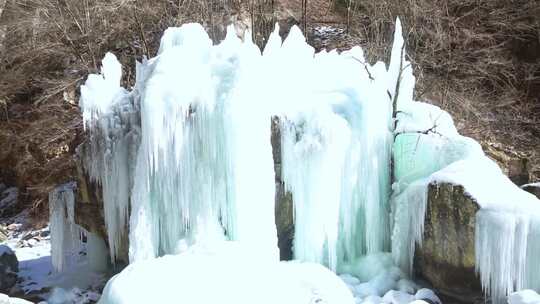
(479, 60)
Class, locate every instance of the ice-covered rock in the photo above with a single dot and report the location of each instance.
(5, 299)
(9, 266)
(407, 286)
(526, 296)
(533, 188)
(439, 155)
(397, 297)
(427, 295)
(349, 279)
(224, 273)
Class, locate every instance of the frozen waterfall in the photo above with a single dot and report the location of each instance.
(184, 159)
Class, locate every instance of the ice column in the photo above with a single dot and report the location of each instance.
(65, 234)
(204, 169)
(110, 114)
(336, 143)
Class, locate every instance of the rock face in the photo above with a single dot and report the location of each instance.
(514, 165)
(8, 199)
(284, 203)
(89, 204)
(9, 266)
(447, 257)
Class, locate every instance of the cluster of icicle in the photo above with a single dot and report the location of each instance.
(66, 234)
(188, 151)
(428, 149)
(70, 243)
(197, 163)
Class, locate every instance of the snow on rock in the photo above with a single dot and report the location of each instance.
(398, 297)
(74, 295)
(349, 279)
(4, 299)
(374, 277)
(439, 154)
(526, 296)
(407, 286)
(111, 118)
(371, 300)
(226, 272)
(427, 294)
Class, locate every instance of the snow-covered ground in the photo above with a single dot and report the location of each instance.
(37, 279)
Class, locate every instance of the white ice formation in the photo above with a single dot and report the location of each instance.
(70, 243)
(66, 235)
(227, 273)
(428, 149)
(187, 151)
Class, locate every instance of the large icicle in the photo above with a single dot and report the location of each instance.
(111, 116)
(203, 144)
(65, 234)
(507, 223)
(188, 150)
(335, 150)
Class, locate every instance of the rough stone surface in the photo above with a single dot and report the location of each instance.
(89, 204)
(284, 204)
(446, 258)
(515, 165)
(9, 266)
(8, 200)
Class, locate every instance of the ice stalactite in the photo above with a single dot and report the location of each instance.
(204, 169)
(188, 151)
(336, 143)
(204, 130)
(429, 149)
(66, 235)
(111, 116)
(507, 224)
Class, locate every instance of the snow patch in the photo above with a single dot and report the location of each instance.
(233, 274)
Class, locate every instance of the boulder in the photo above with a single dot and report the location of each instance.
(9, 266)
(446, 258)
